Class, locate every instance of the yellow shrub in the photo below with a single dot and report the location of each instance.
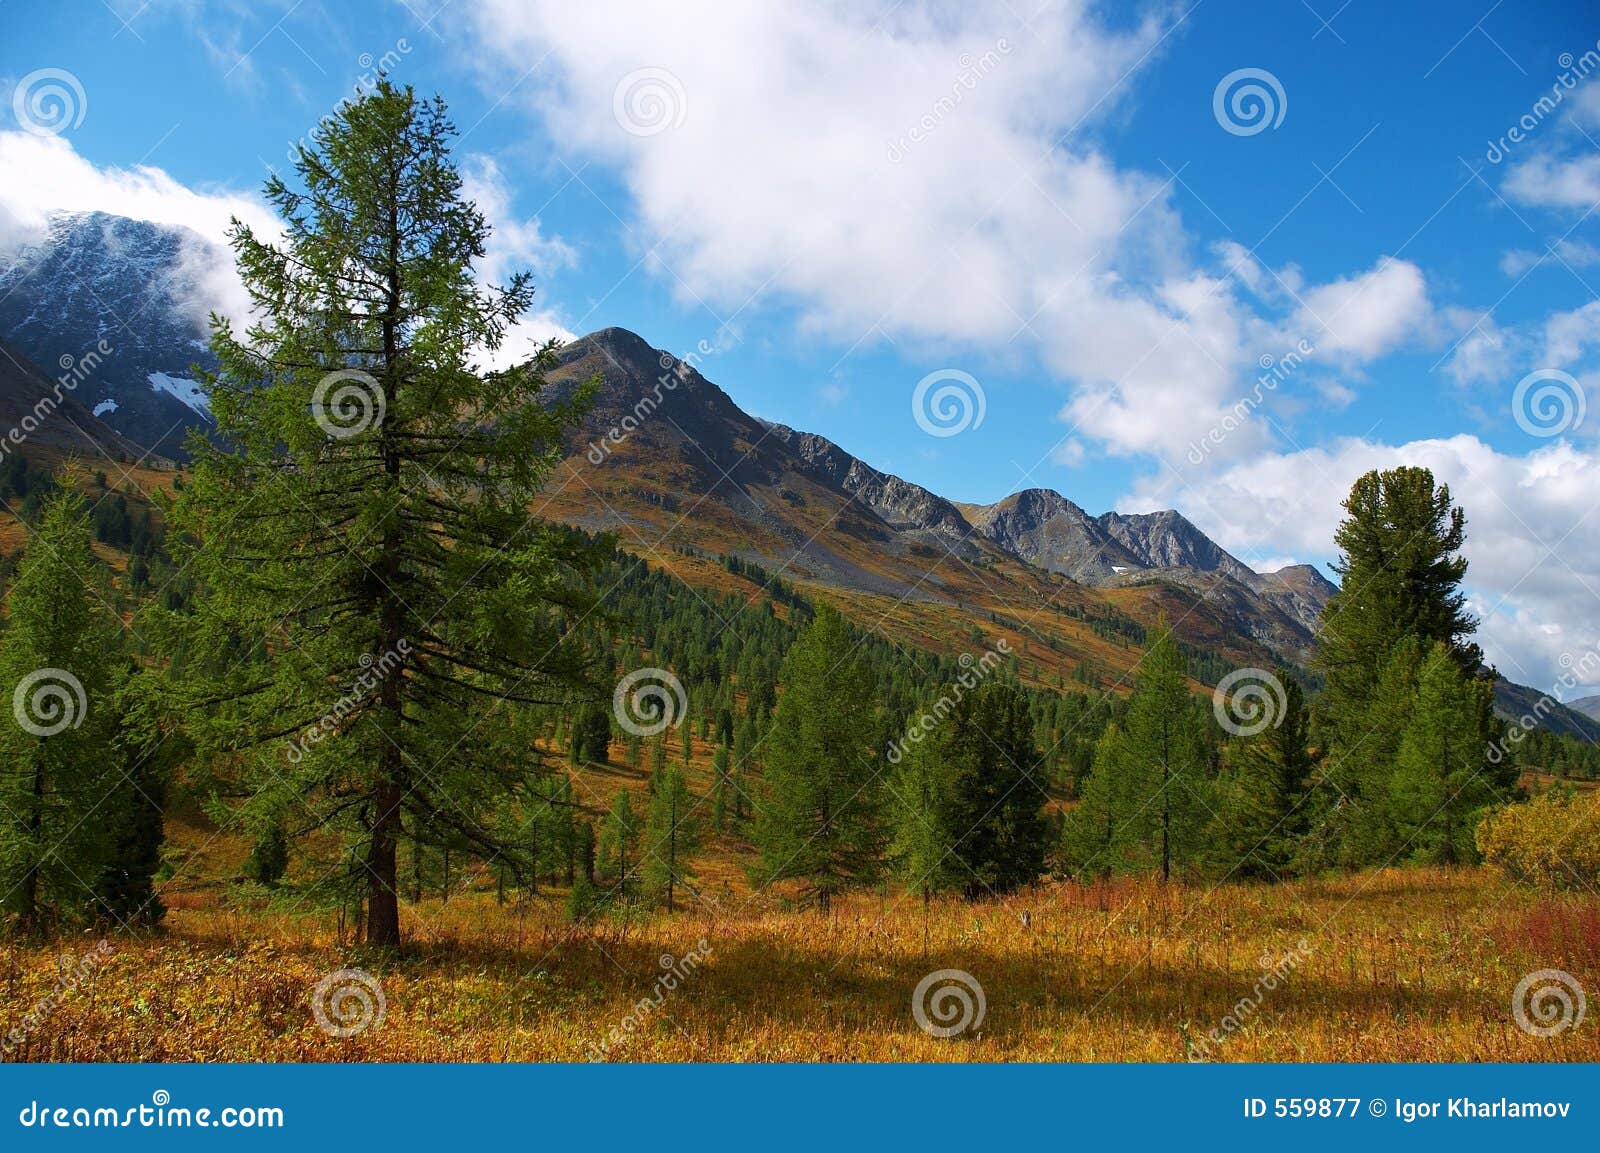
(1551, 840)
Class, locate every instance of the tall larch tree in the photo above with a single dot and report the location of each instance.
(819, 820)
(58, 766)
(360, 523)
(1161, 813)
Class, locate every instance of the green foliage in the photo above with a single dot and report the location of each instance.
(269, 858)
(619, 846)
(671, 837)
(966, 805)
(363, 538)
(819, 816)
(59, 761)
(1443, 780)
(1149, 803)
(1264, 802)
(1401, 573)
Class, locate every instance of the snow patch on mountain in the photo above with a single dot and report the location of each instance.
(188, 391)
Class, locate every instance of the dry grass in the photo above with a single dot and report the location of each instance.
(1402, 966)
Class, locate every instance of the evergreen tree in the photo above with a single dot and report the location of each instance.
(1088, 838)
(671, 837)
(365, 505)
(919, 801)
(1264, 809)
(1156, 789)
(997, 810)
(1401, 571)
(619, 842)
(819, 819)
(719, 787)
(58, 761)
(1364, 826)
(591, 734)
(1443, 780)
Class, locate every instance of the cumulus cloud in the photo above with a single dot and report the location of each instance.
(1533, 539)
(1369, 315)
(59, 180)
(516, 244)
(1549, 181)
(930, 175)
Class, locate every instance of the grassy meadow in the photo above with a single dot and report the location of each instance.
(1413, 965)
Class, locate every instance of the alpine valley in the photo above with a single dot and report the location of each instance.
(670, 465)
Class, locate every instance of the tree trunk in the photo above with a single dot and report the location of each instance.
(29, 900)
(383, 905)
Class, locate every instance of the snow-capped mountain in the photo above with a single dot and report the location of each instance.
(137, 286)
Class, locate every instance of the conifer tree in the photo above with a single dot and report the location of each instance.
(918, 800)
(58, 763)
(619, 843)
(1401, 572)
(1364, 826)
(366, 505)
(1264, 804)
(1443, 779)
(1088, 838)
(1156, 789)
(819, 818)
(671, 837)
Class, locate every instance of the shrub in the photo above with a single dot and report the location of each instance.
(1552, 840)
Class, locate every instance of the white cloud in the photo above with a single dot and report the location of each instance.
(516, 244)
(928, 174)
(1568, 334)
(1548, 181)
(1572, 253)
(1368, 315)
(60, 180)
(1533, 530)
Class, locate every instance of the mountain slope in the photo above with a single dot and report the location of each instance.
(668, 461)
(135, 286)
(43, 416)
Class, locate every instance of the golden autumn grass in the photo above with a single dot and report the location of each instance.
(1402, 965)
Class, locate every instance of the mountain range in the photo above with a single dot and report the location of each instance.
(670, 464)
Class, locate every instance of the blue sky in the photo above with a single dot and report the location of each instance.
(842, 200)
